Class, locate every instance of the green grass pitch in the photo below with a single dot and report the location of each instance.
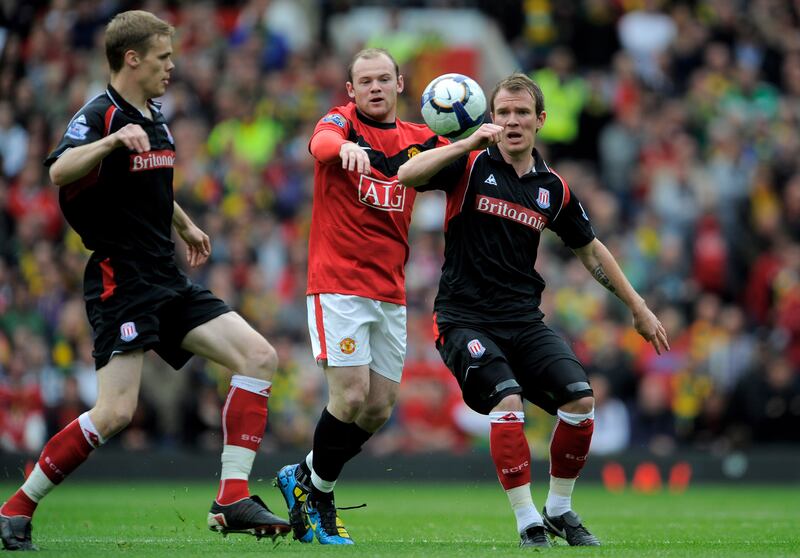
(433, 520)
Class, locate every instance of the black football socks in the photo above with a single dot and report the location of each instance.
(335, 443)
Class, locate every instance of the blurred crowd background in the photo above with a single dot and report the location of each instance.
(675, 122)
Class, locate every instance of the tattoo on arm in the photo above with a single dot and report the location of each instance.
(600, 275)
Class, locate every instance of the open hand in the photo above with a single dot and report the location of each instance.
(198, 245)
(649, 327)
(354, 158)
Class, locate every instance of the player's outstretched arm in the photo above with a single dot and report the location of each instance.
(198, 245)
(329, 147)
(77, 162)
(418, 170)
(606, 271)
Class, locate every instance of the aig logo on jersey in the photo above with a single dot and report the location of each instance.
(380, 194)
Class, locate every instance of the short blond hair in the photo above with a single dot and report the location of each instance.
(132, 30)
(371, 53)
(520, 82)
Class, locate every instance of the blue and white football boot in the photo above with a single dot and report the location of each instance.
(326, 523)
(295, 493)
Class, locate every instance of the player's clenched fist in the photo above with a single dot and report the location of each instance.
(486, 135)
(354, 157)
(133, 137)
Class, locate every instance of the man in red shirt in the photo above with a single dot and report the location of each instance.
(358, 248)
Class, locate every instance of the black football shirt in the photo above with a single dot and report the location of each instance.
(122, 207)
(494, 220)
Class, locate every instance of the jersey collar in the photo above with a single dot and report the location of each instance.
(539, 164)
(120, 102)
(374, 123)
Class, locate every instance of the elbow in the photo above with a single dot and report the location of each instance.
(315, 152)
(407, 178)
(326, 157)
(402, 176)
(56, 177)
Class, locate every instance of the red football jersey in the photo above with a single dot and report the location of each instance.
(358, 243)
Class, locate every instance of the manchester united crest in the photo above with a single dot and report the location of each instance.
(413, 151)
(347, 345)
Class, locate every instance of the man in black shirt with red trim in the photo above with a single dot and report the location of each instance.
(500, 196)
(114, 171)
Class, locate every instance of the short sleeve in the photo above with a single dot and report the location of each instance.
(334, 121)
(447, 178)
(87, 126)
(572, 223)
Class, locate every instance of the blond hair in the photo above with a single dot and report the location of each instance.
(520, 82)
(371, 53)
(132, 30)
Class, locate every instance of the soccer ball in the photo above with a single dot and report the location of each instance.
(453, 106)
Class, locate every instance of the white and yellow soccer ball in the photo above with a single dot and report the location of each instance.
(453, 105)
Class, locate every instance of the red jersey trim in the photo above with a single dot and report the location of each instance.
(109, 284)
(323, 343)
(566, 195)
(109, 119)
(90, 179)
(461, 190)
(436, 333)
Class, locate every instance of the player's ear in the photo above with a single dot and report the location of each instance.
(540, 120)
(132, 58)
(400, 84)
(350, 91)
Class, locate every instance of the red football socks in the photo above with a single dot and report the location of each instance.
(570, 447)
(509, 449)
(65, 452)
(232, 490)
(18, 504)
(61, 455)
(244, 418)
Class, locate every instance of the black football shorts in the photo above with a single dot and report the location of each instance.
(144, 304)
(529, 359)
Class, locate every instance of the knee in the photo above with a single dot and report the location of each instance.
(260, 361)
(582, 406)
(510, 403)
(348, 402)
(111, 419)
(373, 416)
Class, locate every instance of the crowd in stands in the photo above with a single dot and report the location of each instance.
(677, 123)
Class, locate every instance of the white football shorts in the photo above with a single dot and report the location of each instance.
(349, 330)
